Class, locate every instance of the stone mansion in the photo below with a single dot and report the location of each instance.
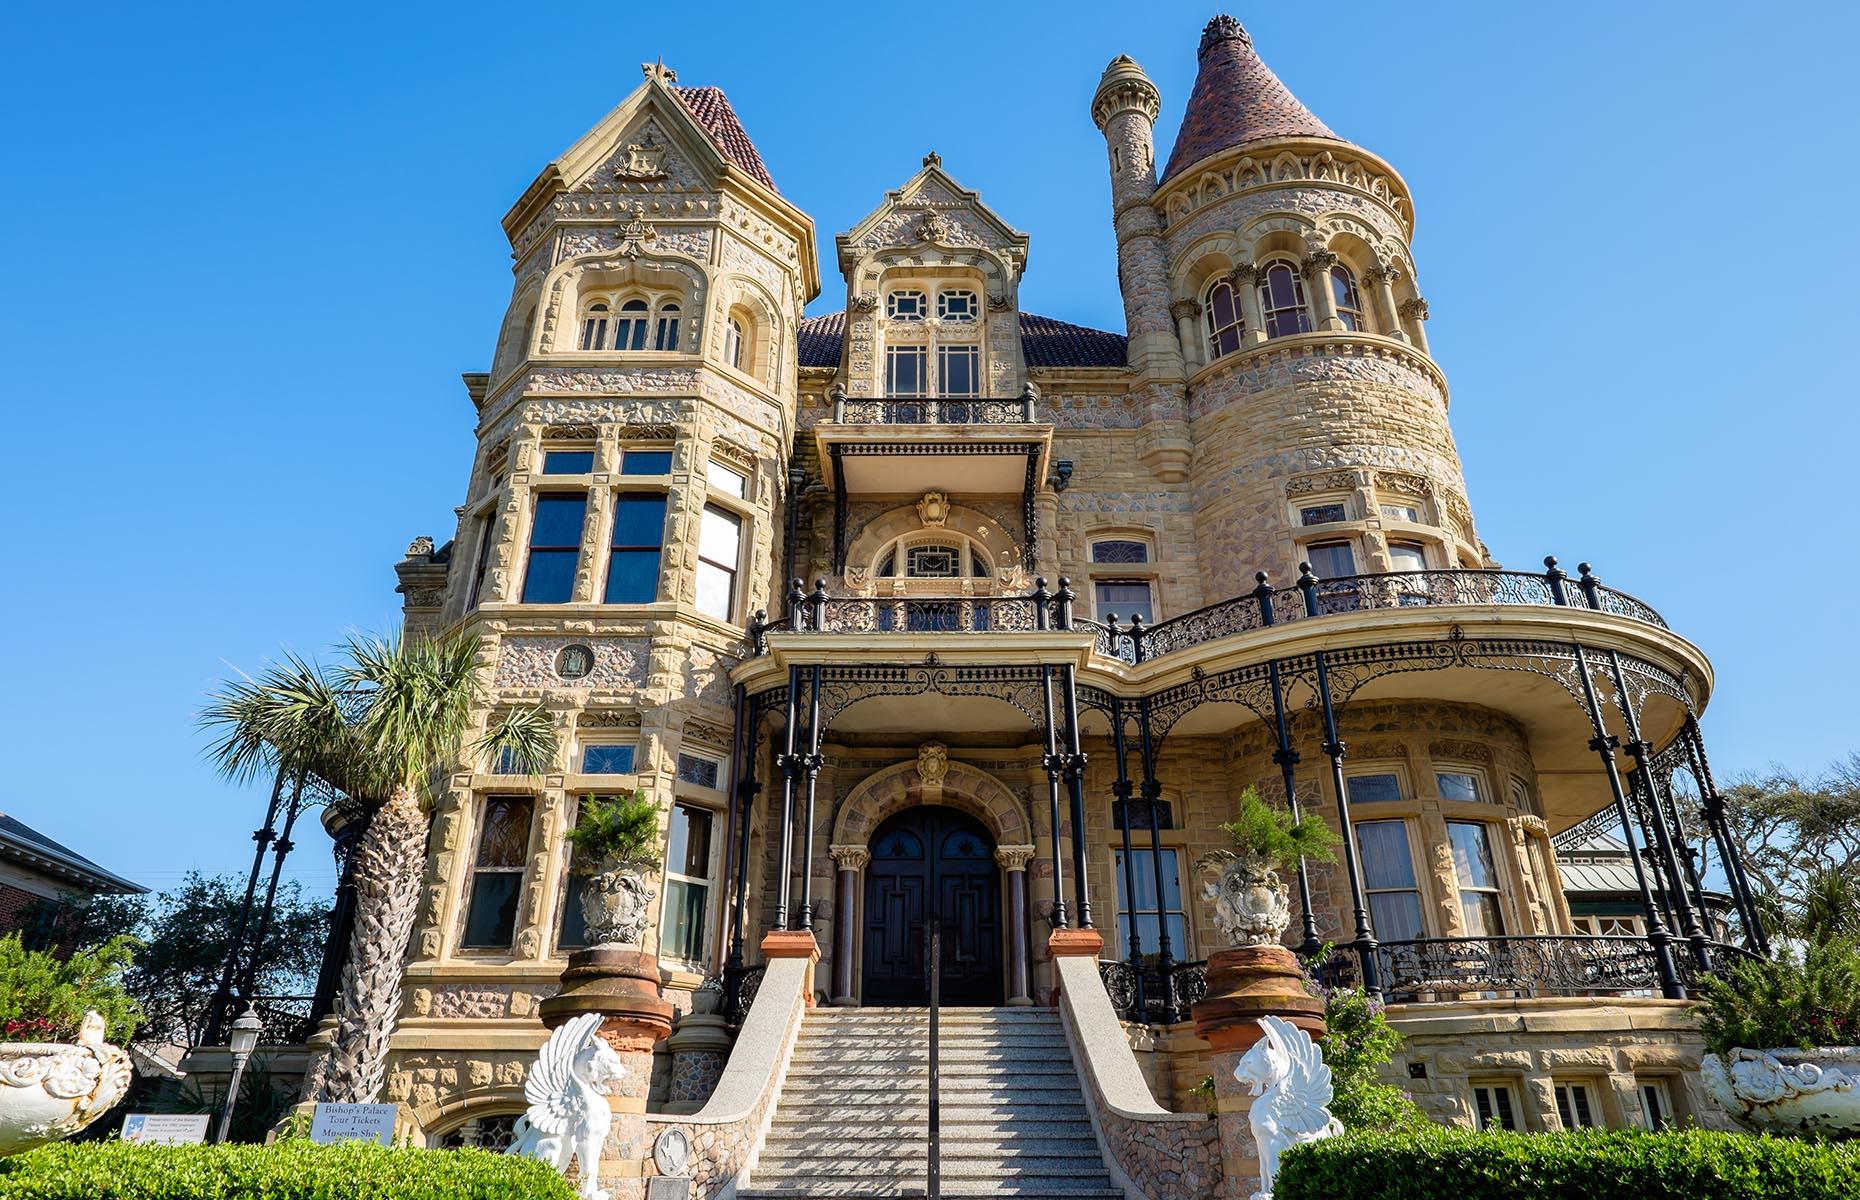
(933, 624)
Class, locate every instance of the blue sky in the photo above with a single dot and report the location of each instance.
(252, 248)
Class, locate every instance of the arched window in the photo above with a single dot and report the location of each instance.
(1282, 300)
(630, 329)
(594, 327)
(1349, 304)
(733, 343)
(1226, 321)
(953, 559)
(665, 333)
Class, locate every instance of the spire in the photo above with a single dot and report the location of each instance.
(1237, 99)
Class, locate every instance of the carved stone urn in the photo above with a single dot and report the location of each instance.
(1788, 1091)
(50, 1090)
(1250, 904)
(616, 903)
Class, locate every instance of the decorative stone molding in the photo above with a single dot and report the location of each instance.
(932, 769)
(637, 233)
(1384, 272)
(1014, 858)
(933, 510)
(1414, 309)
(1244, 275)
(865, 302)
(1317, 261)
(1184, 310)
(850, 858)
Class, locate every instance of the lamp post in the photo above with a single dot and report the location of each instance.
(241, 1040)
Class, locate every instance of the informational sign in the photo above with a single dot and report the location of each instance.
(352, 1123)
(165, 1129)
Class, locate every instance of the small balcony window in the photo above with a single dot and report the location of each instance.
(959, 370)
(1128, 598)
(1477, 877)
(1407, 556)
(1393, 891)
(907, 370)
(957, 304)
(906, 304)
(1151, 906)
(1331, 560)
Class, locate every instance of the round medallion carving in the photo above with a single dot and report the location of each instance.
(574, 661)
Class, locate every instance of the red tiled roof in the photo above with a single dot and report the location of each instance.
(1237, 99)
(712, 110)
(1044, 341)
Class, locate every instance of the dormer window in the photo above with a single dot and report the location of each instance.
(907, 304)
(956, 305)
(610, 322)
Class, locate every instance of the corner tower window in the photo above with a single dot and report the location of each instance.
(1282, 300)
(665, 330)
(733, 343)
(1349, 305)
(630, 329)
(1226, 321)
(555, 547)
(594, 327)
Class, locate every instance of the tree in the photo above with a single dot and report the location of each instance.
(1799, 840)
(378, 726)
(185, 935)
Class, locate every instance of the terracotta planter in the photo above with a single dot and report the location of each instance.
(50, 1090)
(616, 903)
(1788, 1091)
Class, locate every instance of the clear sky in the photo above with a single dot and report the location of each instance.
(252, 247)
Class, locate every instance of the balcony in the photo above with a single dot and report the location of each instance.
(910, 445)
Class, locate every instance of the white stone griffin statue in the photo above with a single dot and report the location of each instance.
(568, 1117)
(1288, 1074)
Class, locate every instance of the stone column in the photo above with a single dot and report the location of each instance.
(1185, 312)
(1245, 281)
(1381, 281)
(1414, 317)
(1246, 983)
(1318, 294)
(848, 861)
(1014, 860)
(699, 1047)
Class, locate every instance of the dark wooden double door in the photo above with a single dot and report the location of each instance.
(932, 863)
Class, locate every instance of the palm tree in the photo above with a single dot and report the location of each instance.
(378, 727)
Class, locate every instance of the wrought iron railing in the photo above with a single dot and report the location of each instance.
(934, 410)
(1145, 993)
(739, 991)
(1525, 967)
(285, 1020)
(1264, 606)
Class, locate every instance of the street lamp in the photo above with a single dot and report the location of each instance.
(242, 1040)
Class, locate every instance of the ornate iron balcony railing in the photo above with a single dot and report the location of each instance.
(1144, 993)
(934, 410)
(1262, 607)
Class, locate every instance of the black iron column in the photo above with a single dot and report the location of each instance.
(1075, 783)
(1688, 859)
(1287, 760)
(1334, 749)
(1152, 802)
(248, 979)
(262, 836)
(1604, 744)
(1712, 804)
(1055, 767)
(742, 772)
(1121, 790)
(789, 763)
(839, 510)
(810, 764)
(342, 913)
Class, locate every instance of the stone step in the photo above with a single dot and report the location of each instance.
(861, 1189)
(905, 1166)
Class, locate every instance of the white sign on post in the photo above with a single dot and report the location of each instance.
(353, 1122)
(165, 1129)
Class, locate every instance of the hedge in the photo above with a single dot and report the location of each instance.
(289, 1170)
(1588, 1165)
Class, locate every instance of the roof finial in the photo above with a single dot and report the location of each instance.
(1222, 28)
(659, 71)
(933, 159)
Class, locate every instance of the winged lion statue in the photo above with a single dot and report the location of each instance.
(567, 1090)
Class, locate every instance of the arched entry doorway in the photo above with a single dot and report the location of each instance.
(932, 862)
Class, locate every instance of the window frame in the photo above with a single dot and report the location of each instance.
(469, 897)
(585, 744)
(1497, 889)
(709, 882)
(1300, 308)
(1514, 1113)
(1399, 770)
(974, 315)
(897, 291)
(1482, 784)
(531, 546)
(1308, 552)
(1146, 571)
(1419, 891)
(614, 548)
(1572, 1097)
(1220, 333)
(732, 571)
(1180, 949)
(1660, 1089)
(551, 449)
(1348, 300)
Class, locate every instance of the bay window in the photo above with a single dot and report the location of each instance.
(639, 535)
(555, 547)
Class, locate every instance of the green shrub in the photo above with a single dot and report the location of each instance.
(1358, 1039)
(43, 998)
(1262, 831)
(1802, 1002)
(622, 828)
(1457, 1164)
(293, 1170)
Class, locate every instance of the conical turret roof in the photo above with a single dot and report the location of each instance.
(1237, 99)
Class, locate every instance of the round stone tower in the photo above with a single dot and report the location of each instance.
(1317, 418)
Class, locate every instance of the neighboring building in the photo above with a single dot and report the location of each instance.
(40, 877)
(663, 439)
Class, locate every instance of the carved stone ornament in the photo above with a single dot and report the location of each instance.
(420, 547)
(616, 903)
(575, 661)
(865, 302)
(1287, 1073)
(1250, 904)
(1414, 309)
(935, 227)
(998, 303)
(1184, 310)
(642, 160)
(1788, 1091)
(1318, 261)
(1243, 275)
(933, 159)
(51, 1090)
(933, 510)
(672, 1153)
(568, 1115)
(933, 764)
(637, 234)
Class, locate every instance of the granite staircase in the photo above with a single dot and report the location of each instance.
(853, 1119)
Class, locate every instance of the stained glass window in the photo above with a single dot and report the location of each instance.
(497, 872)
(1120, 550)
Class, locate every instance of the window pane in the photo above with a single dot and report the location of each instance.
(716, 591)
(1458, 785)
(1367, 789)
(1126, 599)
(550, 578)
(696, 769)
(639, 519)
(725, 479)
(574, 930)
(688, 851)
(568, 462)
(905, 370)
(1402, 512)
(607, 760)
(1321, 514)
(505, 839)
(1472, 855)
(646, 462)
(1384, 849)
(1331, 560)
(960, 370)
(1481, 913)
(683, 925)
(633, 577)
(1396, 916)
(558, 520)
(1405, 556)
(1120, 551)
(491, 919)
(719, 534)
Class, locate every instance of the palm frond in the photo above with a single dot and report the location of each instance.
(417, 700)
(522, 738)
(290, 715)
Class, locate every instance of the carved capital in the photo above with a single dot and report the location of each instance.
(1384, 272)
(1414, 309)
(1185, 310)
(1318, 261)
(1244, 275)
(1014, 858)
(850, 858)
